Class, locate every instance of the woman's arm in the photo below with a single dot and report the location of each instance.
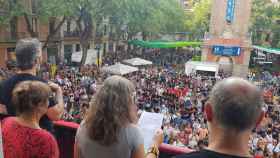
(77, 151)
(153, 150)
(54, 113)
(140, 153)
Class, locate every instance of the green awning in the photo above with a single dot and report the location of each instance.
(163, 44)
(268, 50)
(196, 58)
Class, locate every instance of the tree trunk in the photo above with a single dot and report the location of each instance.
(54, 32)
(29, 26)
(84, 54)
(85, 29)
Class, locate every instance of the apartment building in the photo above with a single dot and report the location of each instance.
(62, 45)
(19, 28)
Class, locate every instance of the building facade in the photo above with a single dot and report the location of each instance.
(17, 28)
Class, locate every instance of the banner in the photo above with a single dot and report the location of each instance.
(230, 11)
(92, 57)
(226, 51)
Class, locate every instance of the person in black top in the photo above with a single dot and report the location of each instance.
(233, 110)
(28, 56)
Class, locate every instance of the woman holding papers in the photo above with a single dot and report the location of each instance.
(109, 129)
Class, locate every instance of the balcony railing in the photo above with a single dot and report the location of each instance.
(10, 37)
(66, 131)
(71, 34)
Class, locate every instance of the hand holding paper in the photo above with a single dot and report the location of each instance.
(149, 123)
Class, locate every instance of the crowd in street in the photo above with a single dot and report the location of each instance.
(180, 98)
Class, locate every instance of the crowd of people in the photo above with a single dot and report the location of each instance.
(161, 89)
(180, 98)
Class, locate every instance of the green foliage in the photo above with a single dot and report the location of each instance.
(198, 20)
(265, 29)
(148, 16)
(10, 10)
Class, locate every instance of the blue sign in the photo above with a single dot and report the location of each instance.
(226, 51)
(230, 10)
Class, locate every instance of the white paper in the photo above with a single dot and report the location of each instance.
(149, 123)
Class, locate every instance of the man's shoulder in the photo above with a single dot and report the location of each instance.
(196, 154)
(22, 77)
(207, 154)
(8, 85)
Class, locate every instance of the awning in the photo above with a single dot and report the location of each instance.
(164, 44)
(268, 50)
(206, 68)
(137, 62)
(119, 69)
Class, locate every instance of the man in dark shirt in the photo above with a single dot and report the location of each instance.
(28, 54)
(232, 112)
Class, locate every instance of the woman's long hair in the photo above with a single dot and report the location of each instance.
(109, 110)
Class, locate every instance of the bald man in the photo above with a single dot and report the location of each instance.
(232, 111)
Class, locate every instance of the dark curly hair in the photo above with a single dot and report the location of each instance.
(109, 110)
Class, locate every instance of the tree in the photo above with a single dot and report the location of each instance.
(265, 28)
(89, 15)
(148, 17)
(52, 12)
(198, 20)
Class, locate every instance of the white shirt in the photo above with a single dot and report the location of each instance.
(269, 138)
(277, 148)
(270, 147)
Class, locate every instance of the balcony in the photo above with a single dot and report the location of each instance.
(66, 131)
(3, 12)
(20, 35)
(113, 37)
(12, 37)
(71, 34)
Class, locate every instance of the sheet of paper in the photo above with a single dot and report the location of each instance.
(149, 123)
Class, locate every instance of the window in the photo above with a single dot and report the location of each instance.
(78, 47)
(12, 49)
(13, 28)
(105, 30)
(34, 24)
(34, 6)
(68, 29)
(12, 4)
(11, 54)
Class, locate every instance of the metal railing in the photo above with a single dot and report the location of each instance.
(71, 34)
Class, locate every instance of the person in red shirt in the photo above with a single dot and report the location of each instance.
(22, 135)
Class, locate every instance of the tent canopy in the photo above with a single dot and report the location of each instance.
(268, 50)
(137, 62)
(119, 69)
(164, 44)
(206, 68)
(193, 66)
